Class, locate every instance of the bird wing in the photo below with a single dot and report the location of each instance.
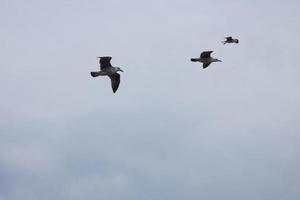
(115, 81)
(205, 65)
(105, 62)
(205, 54)
(228, 38)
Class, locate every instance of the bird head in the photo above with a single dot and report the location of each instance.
(119, 69)
(217, 60)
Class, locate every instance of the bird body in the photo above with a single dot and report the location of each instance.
(205, 58)
(106, 72)
(230, 40)
(106, 69)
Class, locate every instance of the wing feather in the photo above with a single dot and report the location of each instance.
(105, 62)
(115, 81)
(205, 54)
(205, 65)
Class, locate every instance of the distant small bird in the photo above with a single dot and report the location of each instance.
(106, 69)
(230, 40)
(205, 58)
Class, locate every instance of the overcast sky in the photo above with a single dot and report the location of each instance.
(172, 130)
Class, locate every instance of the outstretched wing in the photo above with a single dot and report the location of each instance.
(205, 54)
(228, 38)
(115, 81)
(205, 65)
(105, 62)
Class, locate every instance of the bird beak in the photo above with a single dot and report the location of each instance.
(219, 60)
(121, 70)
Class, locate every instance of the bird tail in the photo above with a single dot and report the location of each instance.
(95, 74)
(194, 59)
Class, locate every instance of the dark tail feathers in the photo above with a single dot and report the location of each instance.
(95, 74)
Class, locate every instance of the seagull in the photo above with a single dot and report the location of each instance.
(106, 69)
(205, 58)
(230, 40)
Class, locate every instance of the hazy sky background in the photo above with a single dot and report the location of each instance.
(172, 130)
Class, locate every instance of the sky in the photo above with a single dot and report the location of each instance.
(172, 130)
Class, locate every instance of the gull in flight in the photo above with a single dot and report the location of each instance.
(106, 69)
(230, 40)
(205, 58)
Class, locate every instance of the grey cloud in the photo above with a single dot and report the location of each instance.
(173, 130)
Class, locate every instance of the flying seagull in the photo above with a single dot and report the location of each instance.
(205, 58)
(106, 69)
(230, 40)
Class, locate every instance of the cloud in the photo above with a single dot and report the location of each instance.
(173, 130)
